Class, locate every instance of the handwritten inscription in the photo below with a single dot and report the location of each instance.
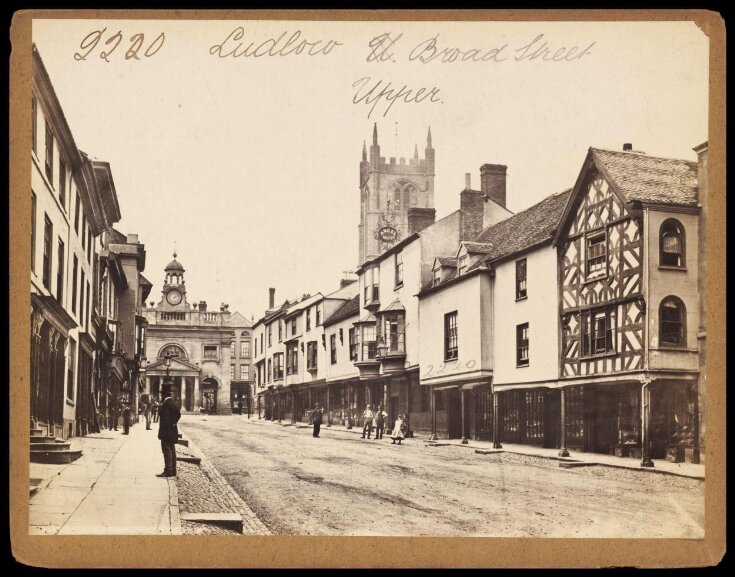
(136, 42)
(232, 46)
(381, 93)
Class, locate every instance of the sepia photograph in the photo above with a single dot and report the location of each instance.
(365, 277)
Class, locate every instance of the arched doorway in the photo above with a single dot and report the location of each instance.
(208, 391)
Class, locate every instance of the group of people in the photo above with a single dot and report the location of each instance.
(373, 420)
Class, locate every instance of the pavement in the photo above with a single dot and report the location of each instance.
(690, 470)
(111, 489)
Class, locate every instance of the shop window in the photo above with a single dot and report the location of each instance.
(672, 244)
(672, 322)
(574, 413)
(534, 416)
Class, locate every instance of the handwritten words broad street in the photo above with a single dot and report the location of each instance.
(383, 50)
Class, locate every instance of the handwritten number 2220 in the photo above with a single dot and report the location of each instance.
(444, 366)
(91, 40)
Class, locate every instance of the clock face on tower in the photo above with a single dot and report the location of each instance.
(173, 297)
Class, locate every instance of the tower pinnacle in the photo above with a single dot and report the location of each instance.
(428, 138)
(364, 151)
(415, 150)
(375, 134)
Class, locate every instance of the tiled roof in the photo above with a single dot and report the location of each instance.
(449, 261)
(524, 229)
(478, 247)
(447, 278)
(649, 179)
(349, 309)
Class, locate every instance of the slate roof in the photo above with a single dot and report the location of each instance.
(649, 179)
(348, 309)
(524, 229)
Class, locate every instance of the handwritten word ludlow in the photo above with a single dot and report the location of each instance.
(281, 46)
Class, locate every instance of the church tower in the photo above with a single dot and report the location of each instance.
(174, 289)
(396, 197)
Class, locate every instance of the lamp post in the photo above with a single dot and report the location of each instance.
(167, 364)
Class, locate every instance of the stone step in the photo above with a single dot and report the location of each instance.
(229, 520)
(183, 442)
(54, 457)
(36, 440)
(574, 464)
(50, 446)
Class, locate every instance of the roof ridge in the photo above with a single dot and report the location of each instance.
(642, 154)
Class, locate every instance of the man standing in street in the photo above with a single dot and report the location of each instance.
(148, 408)
(168, 432)
(367, 416)
(316, 419)
(379, 422)
(127, 415)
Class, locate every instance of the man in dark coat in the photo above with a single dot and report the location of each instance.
(316, 419)
(168, 432)
(127, 417)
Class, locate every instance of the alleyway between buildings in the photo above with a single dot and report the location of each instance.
(340, 484)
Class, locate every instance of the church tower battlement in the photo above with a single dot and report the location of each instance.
(388, 192)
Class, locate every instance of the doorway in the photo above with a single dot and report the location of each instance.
(454, 413)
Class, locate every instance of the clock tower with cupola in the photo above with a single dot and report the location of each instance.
(174, 288)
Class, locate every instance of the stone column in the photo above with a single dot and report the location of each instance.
(462, 413)
(182, 389)
(646, 461)
(563, 426)
(432, 403)
(197, 400)
(496, 423)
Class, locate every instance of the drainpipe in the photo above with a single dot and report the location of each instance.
(646, 460)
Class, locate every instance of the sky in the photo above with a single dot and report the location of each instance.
(248, 165)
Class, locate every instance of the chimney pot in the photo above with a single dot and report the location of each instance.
(627, 147)
(271, 297)
(203, 306)
(467, 180)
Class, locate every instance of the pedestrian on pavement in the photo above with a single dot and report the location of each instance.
(148, 408)
(316, 419)
(154, 410)
(115, 415)
(399, 430)
(127, 415)
(379, 422)
(367, 416)
(168, 433)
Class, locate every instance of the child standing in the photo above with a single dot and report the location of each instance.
(399, 430)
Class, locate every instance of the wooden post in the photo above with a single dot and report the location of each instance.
(563, 427)
(348, 421)
(329, 414)
(646, 460)
(462, 413)
(496, 424)
(432, 404)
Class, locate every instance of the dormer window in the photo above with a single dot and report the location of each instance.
(672, 244)
(462, 265)
(437, 276)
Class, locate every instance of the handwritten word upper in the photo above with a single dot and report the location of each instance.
(382, 93)
(91, 40)
(232, 47)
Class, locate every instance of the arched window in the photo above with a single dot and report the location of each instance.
(672, 243)
(672, 322)
(173, 351)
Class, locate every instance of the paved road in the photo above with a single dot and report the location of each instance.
(340, 484)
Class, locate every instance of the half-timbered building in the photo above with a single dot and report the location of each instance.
(628, 307)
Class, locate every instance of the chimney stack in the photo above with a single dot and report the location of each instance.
(467, 181)
(203, 306)
(628, 147)
(471, 212)
(271, 298)
(420, 218)
(492, 182)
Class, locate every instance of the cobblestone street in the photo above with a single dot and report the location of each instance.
(341, 484)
